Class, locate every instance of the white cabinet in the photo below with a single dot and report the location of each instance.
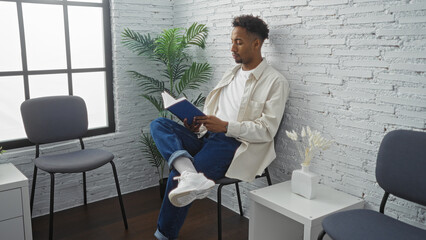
(15, 217)
(277, 213)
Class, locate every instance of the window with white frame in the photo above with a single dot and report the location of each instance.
(54, 47)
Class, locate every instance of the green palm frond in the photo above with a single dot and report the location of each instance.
(158, 103)
(199, 101)
(150, 151)
(194, 76)
(196, 34)
(138, 43)
(149, 85)
(168, 45)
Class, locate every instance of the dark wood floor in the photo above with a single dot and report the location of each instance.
(102, 220)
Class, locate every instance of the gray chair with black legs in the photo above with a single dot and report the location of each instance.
(400, 171)
(60, 118)
(228, 181)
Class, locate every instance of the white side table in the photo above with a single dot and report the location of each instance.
(15, 217)
(277, 213)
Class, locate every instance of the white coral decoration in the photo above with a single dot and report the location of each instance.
(310, 142)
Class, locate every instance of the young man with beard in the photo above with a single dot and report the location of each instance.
(234, 139)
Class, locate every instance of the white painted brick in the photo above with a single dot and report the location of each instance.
(274, 12)
(414, 91)
(328, 22)
(405, 54)
(408, 66)
(371, 19)
(285, 21)
(346, 31)
(353, 95)
(304, 32)
(314, 51)
(389, 119)
(370, 52)
(371, 86)
(401, 77)
(351, 10)
(420, 19)
(400, 32)
(350, 142)
(421, 114)
(378, 42)
(329, 41)
(402, 101)
(316, 12)
(407, 7)
(293, 3)
(323, 60)
(325, 80)
(365, 63)
(415, 43)
(218, 3)
(325, 100)
(374, 107)
(361, 73)
(308, 69)
(327, 2)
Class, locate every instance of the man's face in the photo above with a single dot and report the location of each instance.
(243, 45)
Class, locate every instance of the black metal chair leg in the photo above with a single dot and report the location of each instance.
(239, 199)
(123, 213)
(219, 212)
(84, 188)
(321, 235)
(52, 196)
(33, 189)
(268, 177)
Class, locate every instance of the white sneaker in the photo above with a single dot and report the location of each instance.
(191, 186)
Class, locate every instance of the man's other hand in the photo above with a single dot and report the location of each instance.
(194, 127)
(212, 123)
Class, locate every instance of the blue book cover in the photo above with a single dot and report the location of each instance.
(181, 108)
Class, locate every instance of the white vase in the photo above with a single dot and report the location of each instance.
(304, 182)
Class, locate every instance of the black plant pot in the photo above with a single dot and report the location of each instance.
(162, 187)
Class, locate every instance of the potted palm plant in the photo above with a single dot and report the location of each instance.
(180, 75)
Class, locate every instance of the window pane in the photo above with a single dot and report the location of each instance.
(44, 36)
(11, 97)
(91, 87)
(48, 85)
(86, 37)
(10, 43)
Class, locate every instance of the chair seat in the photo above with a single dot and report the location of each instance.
(74, 162)
(369, 225)
(226, 181)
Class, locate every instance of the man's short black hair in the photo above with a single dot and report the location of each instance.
(252, 24)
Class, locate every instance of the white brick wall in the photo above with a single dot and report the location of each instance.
(356, 70)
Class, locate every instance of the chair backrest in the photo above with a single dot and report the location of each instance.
(52, 119)
(401, 165)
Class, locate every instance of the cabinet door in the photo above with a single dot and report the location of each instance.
(11, 204)
(12, 229)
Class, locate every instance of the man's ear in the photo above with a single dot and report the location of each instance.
(257, 43)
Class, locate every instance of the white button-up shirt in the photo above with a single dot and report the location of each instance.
(262, 108)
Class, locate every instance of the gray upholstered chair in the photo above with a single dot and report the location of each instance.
(400, 171)
(60, 118)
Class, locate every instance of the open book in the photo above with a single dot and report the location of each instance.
(181, 108)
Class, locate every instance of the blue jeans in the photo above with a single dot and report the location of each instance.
(212, 154)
